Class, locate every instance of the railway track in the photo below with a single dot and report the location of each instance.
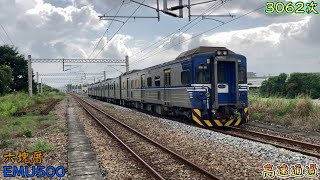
(281, 142)
(162, 162)
(50, 106)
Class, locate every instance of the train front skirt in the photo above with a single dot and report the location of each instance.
(197, 116)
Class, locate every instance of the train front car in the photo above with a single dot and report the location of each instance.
(219, 90)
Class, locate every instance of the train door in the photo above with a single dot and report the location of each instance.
(128, 92)
(226, 81)
(167, 83)
(114, 89)
(102, 90)
(108, 87)
(143, 92)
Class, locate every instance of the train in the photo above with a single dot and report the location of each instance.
(206, 84)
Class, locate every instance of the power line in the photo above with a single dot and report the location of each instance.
(43, 60)
(7, 34)
(175, 31)
(96, 45)
(119, 29)
(201, 33)
(211, 9)
(2, 40)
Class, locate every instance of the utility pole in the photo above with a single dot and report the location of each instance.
(127, 63)
(180, 10)
(29, 76)
(104, 75)
(189, 10)
(165, 5)
(37, 75)
(41, 85)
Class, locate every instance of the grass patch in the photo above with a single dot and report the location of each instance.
(27, 125)
(41, 145)
(12, 102)
(300, 112)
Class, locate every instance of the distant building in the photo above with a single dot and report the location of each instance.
(251, 74)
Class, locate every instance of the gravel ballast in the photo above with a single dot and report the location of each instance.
(224, 155)
(114, 161)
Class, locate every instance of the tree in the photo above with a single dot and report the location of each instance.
(274, 86)
(297, 83)
(5, 79)
(10, 56)
(303, 83)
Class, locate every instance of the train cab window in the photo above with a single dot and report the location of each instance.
(167, 77)
(185, 77)
(149, 81)
(203, 74)
(242, 75)
(221, 73)
(157, 80)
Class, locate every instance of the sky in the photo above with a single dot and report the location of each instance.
(272, 43)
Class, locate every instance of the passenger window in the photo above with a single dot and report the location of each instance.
(203, 74)
(167, 77)
(185, 77)
(157, 80)
(221, 73)
(149, 81)
(143, 81)
(242, 75)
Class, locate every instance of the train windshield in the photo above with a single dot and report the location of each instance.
(242, 75)
(203, 74)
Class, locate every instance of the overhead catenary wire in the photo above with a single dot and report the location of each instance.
(167, 36)
(209, 11)
(6, 34)
(96, 45)
(2, 40)
(119, 29)
(200, 34)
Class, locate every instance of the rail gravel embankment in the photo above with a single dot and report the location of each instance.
(226, 156)
(114, 161)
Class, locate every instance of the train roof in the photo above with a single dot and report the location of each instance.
(186, 54)
(201, 49)
(132, 71)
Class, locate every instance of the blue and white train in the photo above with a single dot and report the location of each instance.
(205, 84)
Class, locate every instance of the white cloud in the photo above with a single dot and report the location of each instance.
(70, 29)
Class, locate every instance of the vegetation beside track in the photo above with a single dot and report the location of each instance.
(27, 125)
(300, 112)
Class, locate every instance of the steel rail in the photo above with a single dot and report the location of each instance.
(49, 107)
(282, 139)
(207, 173)
(241, 134)
(121, 142)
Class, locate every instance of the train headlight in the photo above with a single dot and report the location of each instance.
(225, 53)
(208, 95)
(219, 53)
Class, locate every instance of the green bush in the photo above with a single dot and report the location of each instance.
(41, 145)
(27, 133)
